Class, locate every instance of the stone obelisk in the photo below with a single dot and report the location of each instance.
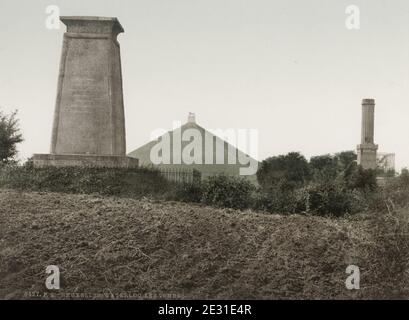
(367, 149)
(89, 124)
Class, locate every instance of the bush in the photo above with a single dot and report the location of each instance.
(188, 192)
(394, 195)
(358, 178)
(133, 182)
(329, 199)
(226, 191)
(276, 200)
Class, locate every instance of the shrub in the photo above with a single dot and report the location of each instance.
(358, 178)
(133, 182)
(329, 199)
(276, 200)
(393, 195)
(188, 192)
(227, 191)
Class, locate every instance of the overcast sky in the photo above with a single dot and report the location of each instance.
(290, 69)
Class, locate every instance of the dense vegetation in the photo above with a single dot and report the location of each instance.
(326, 185)
(132, 183)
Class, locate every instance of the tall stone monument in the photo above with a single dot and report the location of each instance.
(367, 149)
(89, 124)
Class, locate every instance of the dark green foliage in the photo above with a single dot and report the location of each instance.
(337, 186)
(324, 168)
(320, 163)
(329, 198)
(219, 191)
(325, 198)
(345, 159)
(393, 195)
(188, 192)
(276, 200)
(327, 185)
(226, 191)
(289, 171)
(104, 181)
(359, 178)
(10, 136)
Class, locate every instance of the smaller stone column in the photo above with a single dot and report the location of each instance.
(367, 149)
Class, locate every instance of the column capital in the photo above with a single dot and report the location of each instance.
(368, 102)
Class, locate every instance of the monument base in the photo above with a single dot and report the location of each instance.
(367, 155)
(83, 160)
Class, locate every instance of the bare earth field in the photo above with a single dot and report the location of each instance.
(125, 248)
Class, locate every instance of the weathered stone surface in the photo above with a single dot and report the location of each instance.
(89, 112)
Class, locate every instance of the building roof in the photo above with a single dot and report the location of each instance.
(213, 160)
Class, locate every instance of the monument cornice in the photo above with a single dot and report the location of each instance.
(92, 25)
(88, 35)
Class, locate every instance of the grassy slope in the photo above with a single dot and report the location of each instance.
(156, 248)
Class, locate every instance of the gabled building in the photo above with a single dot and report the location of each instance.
(191, 147)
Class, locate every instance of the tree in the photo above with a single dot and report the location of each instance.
(324, 168)
(329, 167)
(322, 162)
(363, 179)
(10, 136)
(346, 159)
(287, 171)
